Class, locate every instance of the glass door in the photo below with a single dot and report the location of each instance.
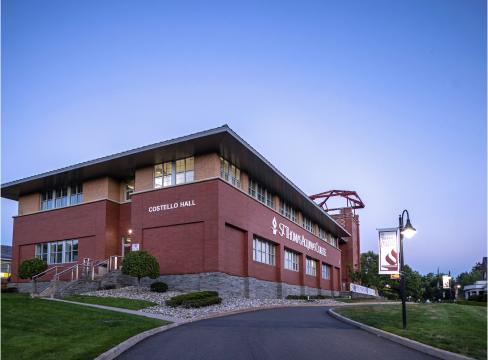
(125, 245)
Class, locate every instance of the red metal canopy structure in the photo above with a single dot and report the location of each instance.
(352, 198)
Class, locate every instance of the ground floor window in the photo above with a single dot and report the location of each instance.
(5, 270)
(291, 260)
(325, 271)
(263, 251)
(58, 251)
(311, 267)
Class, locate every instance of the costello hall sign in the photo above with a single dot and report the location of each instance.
(172, 206)
(285, 231)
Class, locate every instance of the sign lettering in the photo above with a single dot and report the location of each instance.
(172, 206)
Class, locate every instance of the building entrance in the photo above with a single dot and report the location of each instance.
(125, 245)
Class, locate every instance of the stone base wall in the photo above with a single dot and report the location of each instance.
(235, 286)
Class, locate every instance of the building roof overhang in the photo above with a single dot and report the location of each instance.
(222, 140)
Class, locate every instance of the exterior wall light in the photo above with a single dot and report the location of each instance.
(130, 231)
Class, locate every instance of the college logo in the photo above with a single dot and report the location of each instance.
(275, 229)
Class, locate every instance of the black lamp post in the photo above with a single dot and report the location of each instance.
(408, 231)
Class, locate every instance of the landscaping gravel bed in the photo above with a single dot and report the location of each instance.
(227, 305)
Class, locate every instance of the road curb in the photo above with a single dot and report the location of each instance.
(427, 349)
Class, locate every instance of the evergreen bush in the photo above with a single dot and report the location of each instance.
(475, 298)
(191, 298)
(471, 303)
(159, 286)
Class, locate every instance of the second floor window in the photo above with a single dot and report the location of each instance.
(128, 189)
(261, 193)
(323, 234)
(308, 225)
(289, 212)
(174, 172)
(63, 196)
(311, 267)
(230, 173)
(291, 260)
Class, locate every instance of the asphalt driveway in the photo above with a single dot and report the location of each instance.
(279, 333)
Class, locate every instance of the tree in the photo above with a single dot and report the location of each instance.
(30, 268)
(140, 264)
(477, 267)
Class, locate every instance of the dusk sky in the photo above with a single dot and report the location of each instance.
(387, 98)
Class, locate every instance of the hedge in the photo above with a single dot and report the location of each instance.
(200, 303)
(475, 298)
(191, 297)
(159, 286)
(471, 303)
(6, 289)
(304, 297)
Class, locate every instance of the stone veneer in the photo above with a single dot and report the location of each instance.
(235, 286)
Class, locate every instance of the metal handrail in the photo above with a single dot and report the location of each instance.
(114, 261)
(44, 273)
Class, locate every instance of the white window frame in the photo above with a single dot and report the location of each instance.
(288, 211)
(323, 234)
(56, 194)
(308, 224)
(230, 173)
(291, 260)
(260, 193)
(46, 256)
(127, 189)
(263, 251)
(325, 271)
(169, 176)
(311, 267)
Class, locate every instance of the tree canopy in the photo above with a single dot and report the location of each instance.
(140, 264)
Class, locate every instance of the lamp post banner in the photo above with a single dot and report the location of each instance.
(445, 282)
(388, 245)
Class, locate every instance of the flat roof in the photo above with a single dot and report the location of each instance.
(222, 140)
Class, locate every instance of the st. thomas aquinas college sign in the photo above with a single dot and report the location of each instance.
(283, 230)
(388, 245)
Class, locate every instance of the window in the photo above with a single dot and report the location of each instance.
(260, 193)
(325, 271)
(323, 234)
(5, 270)
(333, 241)
(308, 225)
(58, 252)
(289, 212)
(76, 193)
(182, 169)
(311, 267)
(291, 260)
(263, 251)
(128, 189)
(63, 196)
(230, 173)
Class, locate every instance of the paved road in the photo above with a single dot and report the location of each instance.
(280, 333)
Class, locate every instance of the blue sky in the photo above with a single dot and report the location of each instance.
(384, 98)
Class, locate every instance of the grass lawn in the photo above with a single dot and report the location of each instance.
(456, 328)
(350, 301)
(44, 329)
(131, 304)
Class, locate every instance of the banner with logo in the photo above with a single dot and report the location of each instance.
(388, 245)
(445, 281)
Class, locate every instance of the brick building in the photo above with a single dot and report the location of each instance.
(213, 211)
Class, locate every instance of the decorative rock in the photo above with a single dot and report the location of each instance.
(227, 305)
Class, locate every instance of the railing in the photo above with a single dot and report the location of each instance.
(88, 267)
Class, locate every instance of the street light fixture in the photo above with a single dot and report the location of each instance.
(408, 230)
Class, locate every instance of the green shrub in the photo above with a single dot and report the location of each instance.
(392, 296)
(483, 297)
(31, 267)
(191, 297)
(159, 286)
(475, 298)
(6, 290)
(304, 297)
(471, 303)
(200, 303)
(140, 264)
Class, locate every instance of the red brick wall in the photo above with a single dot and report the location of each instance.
(235, 241)
(207, 166)
(178, 248)
(144, 179)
